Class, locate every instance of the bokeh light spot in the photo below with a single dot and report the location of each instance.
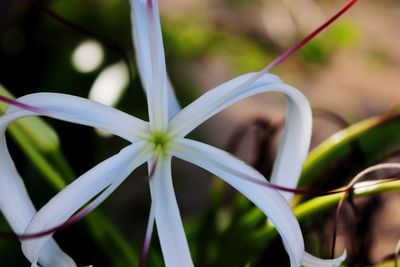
(109, 86)
(88, 56)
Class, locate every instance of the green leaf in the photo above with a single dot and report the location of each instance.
(309, 209)
(368, 141)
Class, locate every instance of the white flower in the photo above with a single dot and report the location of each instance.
(156, 142)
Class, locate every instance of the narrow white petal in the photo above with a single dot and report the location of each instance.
(312, 261)
(173, 104)
(168, 220)
(52, 255)
(293, 149)
(148, 236)
(18, 209)
(216, 100)
(82, 111)
(296, 140)
(151, 60)
(234, 172)
(110, 172)
(14, 200)
(150, 223)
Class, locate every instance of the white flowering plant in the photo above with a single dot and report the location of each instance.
(251, 228)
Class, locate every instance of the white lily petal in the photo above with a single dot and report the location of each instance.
(312, 261)
(173, 105)
(148, 236)
(151, 60)
(294, 146)
(268, 200)
(293, 149)
(18, 209)
(215, 100)
(150, 222)
(62, 206)
(52, 255)
(168, 220)
(82, 111)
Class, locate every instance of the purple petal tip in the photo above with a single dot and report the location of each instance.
(150, 4)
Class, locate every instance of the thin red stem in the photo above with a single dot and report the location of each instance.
(309, 37)
(153, 168)
(145, 253)
(21, 105)
(147, 241)
(82, 213)
(297, 46)
(75, 218)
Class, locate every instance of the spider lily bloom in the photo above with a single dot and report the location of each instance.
(155, 143)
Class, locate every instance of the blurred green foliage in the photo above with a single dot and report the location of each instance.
(340, 35)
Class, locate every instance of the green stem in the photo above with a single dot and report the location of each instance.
(62, 164)
(386, 264)
(319, 204)
(374, 137)
(40, 162)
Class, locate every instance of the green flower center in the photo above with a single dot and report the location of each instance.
(159, 140)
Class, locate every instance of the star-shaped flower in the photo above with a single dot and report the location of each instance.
(155, 143)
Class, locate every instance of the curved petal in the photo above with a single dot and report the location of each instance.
(312, 261)
(18, 209)
(79, 110)
(294, 146)
(217, 99)
(168, 220)
(51, 255)
(109, 173)
(233, 171)
(151, 60)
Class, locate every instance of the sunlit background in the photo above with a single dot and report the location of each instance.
(351, 70)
